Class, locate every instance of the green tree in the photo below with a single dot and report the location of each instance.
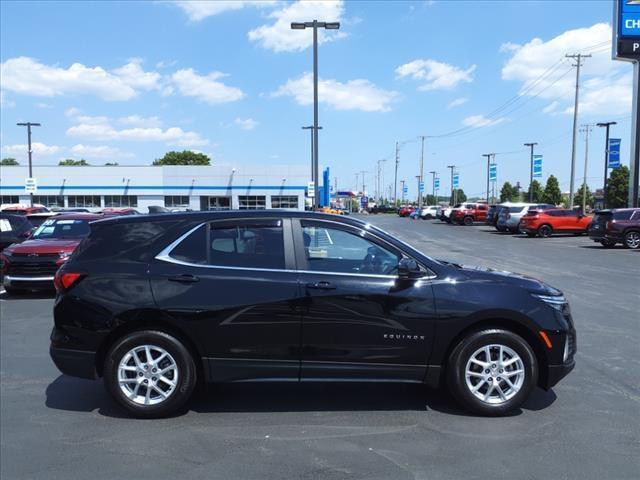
(9, 161)
(618, 187)
(578, 198)
(460, 197)
(186, 157)
(71, 162)
(552, 193)
(509, 193)
(535, 192)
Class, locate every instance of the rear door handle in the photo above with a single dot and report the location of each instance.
(184, 278)
(321, 286)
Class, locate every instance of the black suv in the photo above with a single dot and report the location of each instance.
(154, 304)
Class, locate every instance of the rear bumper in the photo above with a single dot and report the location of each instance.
(599, 235)
(77, 363)
(28, 282)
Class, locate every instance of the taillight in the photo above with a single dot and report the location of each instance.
(63, 281)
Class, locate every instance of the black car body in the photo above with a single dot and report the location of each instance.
(292, 296)
(620, 225)
(13, 229)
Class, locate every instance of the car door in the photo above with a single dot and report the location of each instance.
(233, 286)
(572, 221)
(360, 321)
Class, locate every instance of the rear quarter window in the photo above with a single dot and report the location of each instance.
(623, 215)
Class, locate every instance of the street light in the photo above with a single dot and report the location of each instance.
(419, 178)
(311, 127)
(531, 145)
(315, 25)
(29, 125)
(606, 159)
(434, 174)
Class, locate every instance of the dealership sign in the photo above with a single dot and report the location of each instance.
(493, 172)
(537, 166)
(30, 185)
(456, 181)
(614, 153)
(436, 184)
(626, 32)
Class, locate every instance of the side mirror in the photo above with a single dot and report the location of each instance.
(409, 268)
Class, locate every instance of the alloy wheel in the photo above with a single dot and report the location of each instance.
(147, 375)
(494, 374)
(632, 240)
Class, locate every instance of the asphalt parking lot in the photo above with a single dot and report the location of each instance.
(587, 427)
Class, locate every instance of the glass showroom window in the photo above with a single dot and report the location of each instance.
(252, 202)
(215, 203)
(120, 201)
(176, 201)
(49, 200)
(83, 201)
(9, 199)
(284, 201)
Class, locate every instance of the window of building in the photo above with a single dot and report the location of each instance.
(284, 201)
(83, 201)
(120, 201)
(9, 199)
(215, 203)
(252, 202)
(176, 201)
(49, 200)
(334, 250)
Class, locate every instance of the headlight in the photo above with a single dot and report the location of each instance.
(554, 301)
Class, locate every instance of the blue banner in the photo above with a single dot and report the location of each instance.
(456, 181)
(537, 166)
(493, 172)
(436, 184)
(614, 153)
(421, 187)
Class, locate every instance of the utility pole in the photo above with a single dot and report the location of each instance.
(606, 160)
(488, 155)
(433, 185)
(531, 145)
(395, 177)
(402, 182)
(356, 184)
(421, 177)
(29, 125)
(452, 167)
(586, 129)
(363, 172)
(578, 57)
(419, 193)
(379, 192)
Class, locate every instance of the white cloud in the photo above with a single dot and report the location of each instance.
(27, 76)
(279, 36)
(457, 102)
(206, 88)
(478, 121)
(101, 129)
(39, 149)
(436, 75)
(98, 151)
(359, 94)
(139, 121)
(166, 63)
(246, 124)
(198, 10)
(606, 85)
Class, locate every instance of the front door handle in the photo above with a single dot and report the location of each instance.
(321, 286)
(184, 278)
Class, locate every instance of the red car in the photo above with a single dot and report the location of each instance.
(469, 213)
(24, 210)
(558, 220)
(405, 211)
(31, 265)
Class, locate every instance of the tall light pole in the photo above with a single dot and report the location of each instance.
(488, 155)
(315, 25)
(29, 125)
(531, 145)
(311, 129)
(606, 159)
(578, 57)
(586, 129)
(452, 167)
(421, 177)
(434, 174)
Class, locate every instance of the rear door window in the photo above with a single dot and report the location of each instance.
(247, 245)
(623, 215)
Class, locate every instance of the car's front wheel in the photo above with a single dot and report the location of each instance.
(632, 240)
(150, 373)
(545, 231)
(492, 372)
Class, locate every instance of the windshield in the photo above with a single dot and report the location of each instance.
(62, 229)
(515, 209)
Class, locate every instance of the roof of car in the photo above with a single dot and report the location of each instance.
(78, 216)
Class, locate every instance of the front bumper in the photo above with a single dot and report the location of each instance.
(38, 282)
(555, 373)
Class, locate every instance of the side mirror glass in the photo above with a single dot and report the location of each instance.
(409, 268)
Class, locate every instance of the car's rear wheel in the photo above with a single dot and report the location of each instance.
(150, 373)
(492, 372)
(545, 231)
(468, 221)
(632, 239)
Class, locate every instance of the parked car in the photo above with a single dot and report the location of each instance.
(297, 296)
(118, 211)
(509, 218)
(428, 212)
(620, 225)
(494, 212)
(469, 213)
(405, 210)
(383, 209)
(32, 264)
(445, 213)
(19, 209)
(560, 220)
(13, 229)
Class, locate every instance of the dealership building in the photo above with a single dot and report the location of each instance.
(217, 187)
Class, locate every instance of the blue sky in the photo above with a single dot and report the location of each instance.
(128, 81)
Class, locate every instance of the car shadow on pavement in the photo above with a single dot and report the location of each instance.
(36, 295)
(78, 395)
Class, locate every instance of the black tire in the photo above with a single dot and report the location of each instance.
(545, 231)
(187, 375)
(632, 239)
(460, 357)
(468, 221)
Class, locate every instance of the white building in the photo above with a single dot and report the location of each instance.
(194, 187)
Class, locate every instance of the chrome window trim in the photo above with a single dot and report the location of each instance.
(165, 256)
